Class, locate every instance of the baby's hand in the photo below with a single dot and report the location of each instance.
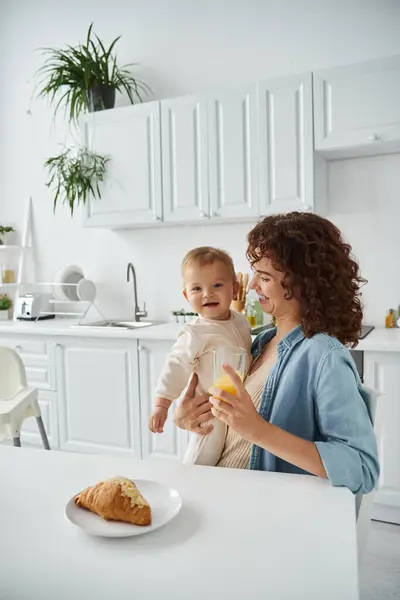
(157, 419)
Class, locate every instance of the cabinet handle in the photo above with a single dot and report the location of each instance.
(203, 215)
(373, 138)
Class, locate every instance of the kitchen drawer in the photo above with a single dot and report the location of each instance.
(48, 407)
(39, 376)
(28, 349)
(37, 356)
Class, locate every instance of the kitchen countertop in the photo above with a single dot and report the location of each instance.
(240, 534)
(379, 340)
(67, 327)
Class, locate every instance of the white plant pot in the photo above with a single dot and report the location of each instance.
(4, 315)
(181, 318)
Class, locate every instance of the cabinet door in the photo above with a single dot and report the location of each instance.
(130, 137)
(382, 371)
(173, 441)
(184, 159)
(358, 106)
(233, 147)
(48, 408)
(286, 144)
(98, 395)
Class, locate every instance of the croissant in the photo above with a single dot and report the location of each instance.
(116, 499)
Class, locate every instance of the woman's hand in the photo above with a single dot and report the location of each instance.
(236, 411)
(194, 412)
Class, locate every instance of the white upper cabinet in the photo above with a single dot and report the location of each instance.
(184, 159)
(357, 108)
(131, 192)
(232, 140)
(286, 169)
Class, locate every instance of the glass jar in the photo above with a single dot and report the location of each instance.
(7, 274)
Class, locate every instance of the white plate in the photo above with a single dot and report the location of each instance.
(69, 274)
(86, 290)
(165, 504)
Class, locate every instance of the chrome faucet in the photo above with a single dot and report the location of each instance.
(137, 314)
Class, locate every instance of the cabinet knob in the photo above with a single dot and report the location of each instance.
(215, 214)
(156, 218)
(203, 215)
(140, 348)
(18, 348)
(373, 138)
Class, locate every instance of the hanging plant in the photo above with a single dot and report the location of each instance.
(85, 77)
(74, 175)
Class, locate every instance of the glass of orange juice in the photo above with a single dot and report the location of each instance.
(233, 356)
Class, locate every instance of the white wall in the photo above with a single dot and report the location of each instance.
(187, 46)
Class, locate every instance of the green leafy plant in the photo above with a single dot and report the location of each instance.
(5, 302)
(3, 231)
(74, 174)
(83, 76)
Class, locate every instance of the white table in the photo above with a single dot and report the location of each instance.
(241, 535)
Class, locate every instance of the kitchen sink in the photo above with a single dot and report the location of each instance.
(120, 324)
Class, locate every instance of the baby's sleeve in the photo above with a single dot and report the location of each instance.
(179, 365)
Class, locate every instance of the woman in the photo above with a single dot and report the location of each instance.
(301, 408)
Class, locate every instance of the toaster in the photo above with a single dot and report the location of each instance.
(30, 307)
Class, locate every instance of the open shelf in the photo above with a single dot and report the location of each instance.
(13, 248)
(8, 286)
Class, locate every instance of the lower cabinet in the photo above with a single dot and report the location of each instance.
(172, 443)
(382, 371)
(48, 407)
(98, 396)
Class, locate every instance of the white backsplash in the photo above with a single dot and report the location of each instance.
(186, 47)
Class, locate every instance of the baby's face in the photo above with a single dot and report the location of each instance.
(209, 289)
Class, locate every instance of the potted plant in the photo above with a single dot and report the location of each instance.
(85, 77)
(4, 231)
(5, 305)
(74, 174)
(189, 316)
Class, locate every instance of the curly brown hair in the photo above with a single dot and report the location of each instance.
(319, 270)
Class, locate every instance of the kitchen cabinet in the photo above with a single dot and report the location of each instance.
(357, 109)
(172, 443)
(286, 167)
(37, 357)
(131, 191)
(184, 159)
(233, 146)
(98, 396)
(382, 372)
(48, 407)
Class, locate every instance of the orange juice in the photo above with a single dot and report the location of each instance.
(225, 383)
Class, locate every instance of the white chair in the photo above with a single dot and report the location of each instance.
(17, 401)
(364, 503)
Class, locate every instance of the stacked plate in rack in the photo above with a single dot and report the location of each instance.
(70, 285)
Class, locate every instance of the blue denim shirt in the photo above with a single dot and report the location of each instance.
(314, 392)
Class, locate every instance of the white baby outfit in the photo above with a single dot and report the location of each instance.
(192, 352)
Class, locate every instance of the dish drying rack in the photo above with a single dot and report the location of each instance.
(83, 306)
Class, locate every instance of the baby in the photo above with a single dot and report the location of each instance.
(209, 286)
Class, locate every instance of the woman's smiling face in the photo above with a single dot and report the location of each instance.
(274, 298)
